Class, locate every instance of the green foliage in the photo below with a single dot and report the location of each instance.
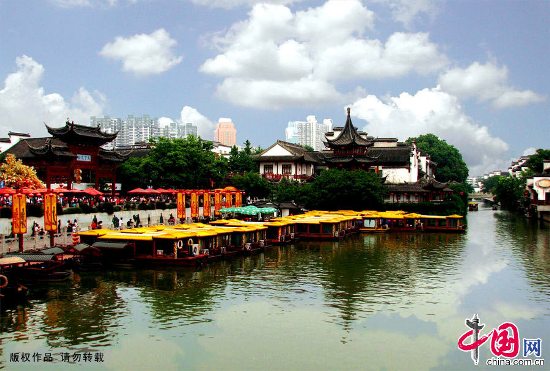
(253, 184)
(35, 210)
(308, 148)
(460, 197)
(489, 185)
(5, 212)
(71, 210)
(242, 161)
(509, 192)
(535, 161)
(450, 165)
(343, 189)
(175, 163)
(288, 190)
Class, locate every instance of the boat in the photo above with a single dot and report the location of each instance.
(35, 269)
(11, 291)
(473, 206)
(436, 223)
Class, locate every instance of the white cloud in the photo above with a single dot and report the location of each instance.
(86, 3)
(144, 54)
(488, 83)
(406, 11)
(529, 151)
(292, 54)
(205, 127)
(277, 94)
(24, 105)
(432, 111)
(228, 4)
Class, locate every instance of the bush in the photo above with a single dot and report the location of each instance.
(72, 210)
(35, 210)
(117, 208)
(5, 212)
(87, 209)
(106, 207)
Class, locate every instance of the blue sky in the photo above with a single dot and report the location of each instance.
(472, 72)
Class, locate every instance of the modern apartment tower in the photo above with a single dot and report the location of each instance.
(141, 129)
(225, 132)
(309, 132)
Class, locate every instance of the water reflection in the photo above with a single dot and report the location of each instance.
(312, 305)
(530, 245)
(373, 272)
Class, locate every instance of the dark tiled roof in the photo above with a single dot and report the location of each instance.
(348, 136)
(74, 133)
(40, 147)
(390, 155)
(54, 147)
(297, 153)
(26, 135)
(407, 187)
(5, 140)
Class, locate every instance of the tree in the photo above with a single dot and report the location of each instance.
(291, 191)
(343, 189)
(450, 165)
(489, 185)
(253, 184)
(308, 148)
(175, 163)
(242, 161)
(509, 192)
(17, 175)
(535, 161)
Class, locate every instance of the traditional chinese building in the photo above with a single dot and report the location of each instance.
(407, 173)
(288, 160)
(72, 154)
(349, 147)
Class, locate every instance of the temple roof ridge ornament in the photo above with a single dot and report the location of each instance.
(81, 134)
(349, 135)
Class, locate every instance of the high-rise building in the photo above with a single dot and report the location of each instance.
(309, 132)
(141, 129)
(225, 132)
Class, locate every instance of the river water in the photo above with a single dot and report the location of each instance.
(380, 302)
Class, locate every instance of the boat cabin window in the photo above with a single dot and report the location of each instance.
(327, 228)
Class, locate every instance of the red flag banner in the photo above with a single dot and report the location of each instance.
(19, 213)
(217, 202)
(181, 205)
(194, 205)
(50, 212)
(238, 199)
(228, 199)
(206, 204)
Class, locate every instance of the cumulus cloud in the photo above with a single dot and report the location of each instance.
(291, 55)
(487, 83)
(25, 106)
(144, 54)
(228, 4)
(87, 3)
(205, 127)
(406, 11)
(432, 111)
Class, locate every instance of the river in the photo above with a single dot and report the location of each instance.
(370, 302)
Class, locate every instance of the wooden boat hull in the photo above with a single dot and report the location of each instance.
(168, 261)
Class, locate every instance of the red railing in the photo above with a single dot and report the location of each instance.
(277, 177)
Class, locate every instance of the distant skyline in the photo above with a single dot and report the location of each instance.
(473, 73)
